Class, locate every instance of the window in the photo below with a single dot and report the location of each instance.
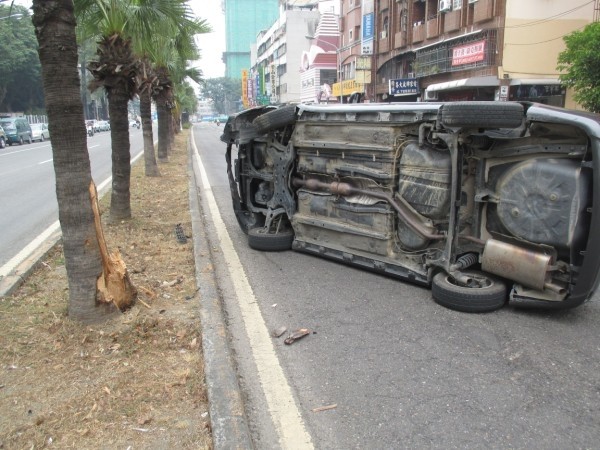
(456, 5)
(350, 38)
(385, 27)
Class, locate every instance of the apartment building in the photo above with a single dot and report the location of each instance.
(451, 50)
(274, 73)
(244, 19)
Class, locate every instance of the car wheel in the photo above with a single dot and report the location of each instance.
(482, 114)
(247, 133)
(42, 138)
(261, 239)
(21, 142)
(2, 142)
(276, 118)
(489, 294)
(29, 140)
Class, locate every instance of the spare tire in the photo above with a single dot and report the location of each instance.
(278, 118)
(262, 239)
(489, 295)
(482, 115)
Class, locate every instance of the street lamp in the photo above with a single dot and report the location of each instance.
(338, 57)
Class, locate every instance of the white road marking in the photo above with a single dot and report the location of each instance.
(282, 406)
(7, 268)
(28, 250)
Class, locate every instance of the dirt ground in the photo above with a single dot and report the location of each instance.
(134, 382)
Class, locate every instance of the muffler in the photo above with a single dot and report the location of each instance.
(515, 263)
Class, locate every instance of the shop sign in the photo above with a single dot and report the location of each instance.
(467, 54)
(347, 87)
(403, 86)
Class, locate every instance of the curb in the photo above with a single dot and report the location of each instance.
(19, 274)
(227, 415)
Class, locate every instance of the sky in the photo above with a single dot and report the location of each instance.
(211, 45)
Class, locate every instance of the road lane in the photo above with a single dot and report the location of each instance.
(28, 206)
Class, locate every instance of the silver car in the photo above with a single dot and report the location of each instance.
(39, 132)
(484, 202)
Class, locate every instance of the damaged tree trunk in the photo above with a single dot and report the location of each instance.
(113, 284)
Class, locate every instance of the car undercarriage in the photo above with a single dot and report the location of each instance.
(486, 202)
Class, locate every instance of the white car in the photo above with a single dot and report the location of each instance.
(39, 132)
(102, 125)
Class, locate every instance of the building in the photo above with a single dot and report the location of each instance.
(274, 73)
(450, 50)
(244, 19)
(318, 67)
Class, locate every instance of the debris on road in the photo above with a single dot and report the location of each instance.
(324, 408)
(278, 332)
(298, 334)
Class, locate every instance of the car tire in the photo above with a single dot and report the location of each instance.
(21, 142)
(261, 239)
(447, 293)
(29, 140)
(276, 118)
(482, 115)
(2, 143)
(247, 133)
(42, 138)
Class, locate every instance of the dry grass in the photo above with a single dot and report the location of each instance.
(134, 382)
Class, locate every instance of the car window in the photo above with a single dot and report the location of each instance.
(8, 126)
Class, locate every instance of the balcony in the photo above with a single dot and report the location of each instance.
(452, 21)
(432, 28)
(418, 34)
(483, 10)
(400, 39)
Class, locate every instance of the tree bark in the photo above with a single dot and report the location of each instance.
(163, 128)
(120, 200)
(150, 164)
(54, 22)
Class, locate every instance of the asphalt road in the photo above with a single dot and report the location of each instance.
(402, 371)
(28, 204)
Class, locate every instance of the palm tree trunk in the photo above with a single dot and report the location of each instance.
(55, 30)
(120, 204)
(163, 128)
(149, 156)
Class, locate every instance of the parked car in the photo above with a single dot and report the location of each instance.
(103, 125)
(134, 123)
(40, 132)
(485, 202)
(2, 138)
(17, 130)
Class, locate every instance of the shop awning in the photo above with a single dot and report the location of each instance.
(463, 83)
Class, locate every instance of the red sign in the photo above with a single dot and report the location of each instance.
(467, 54)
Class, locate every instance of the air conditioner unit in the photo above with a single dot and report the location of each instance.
(410, 75)
(445, 5)
(430, 95)
(384, 34)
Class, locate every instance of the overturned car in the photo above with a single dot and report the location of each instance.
(486, 202)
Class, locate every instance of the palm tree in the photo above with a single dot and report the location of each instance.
(116, 23)
(83, 244)
(147, 81)
(171, 68)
